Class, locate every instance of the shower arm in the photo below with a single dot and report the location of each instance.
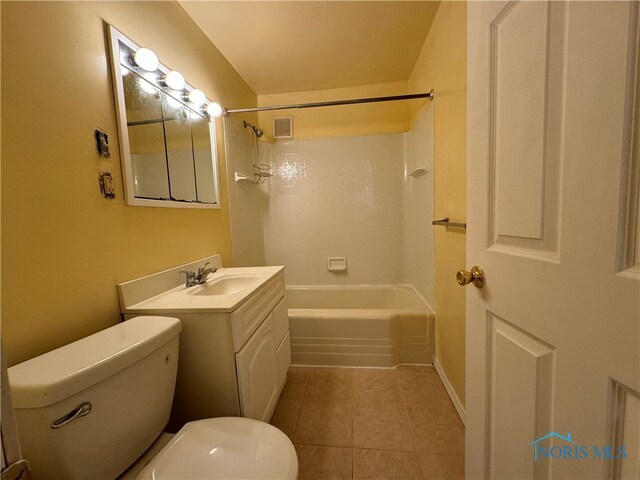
(255, 129)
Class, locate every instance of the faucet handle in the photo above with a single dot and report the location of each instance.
(191, 276)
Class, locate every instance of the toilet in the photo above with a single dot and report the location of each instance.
(92, 408)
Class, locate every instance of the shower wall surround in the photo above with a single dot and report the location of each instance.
(347, 197)
(247, 203)
(336, 197)
(351, 197)
(418, 239)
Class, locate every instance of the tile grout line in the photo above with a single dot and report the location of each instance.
(353, 458)
(413, 437)
(353, 451)
(363, 448)
(304, 397)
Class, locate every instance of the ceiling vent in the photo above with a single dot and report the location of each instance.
(283, 127)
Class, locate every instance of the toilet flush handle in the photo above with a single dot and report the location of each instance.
(80, 411)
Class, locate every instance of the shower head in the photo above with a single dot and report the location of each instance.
(255, 129)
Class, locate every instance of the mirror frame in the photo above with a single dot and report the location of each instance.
(123, 133)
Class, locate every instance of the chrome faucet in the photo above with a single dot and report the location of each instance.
(203, 273)
(199, 278)
(191, 278)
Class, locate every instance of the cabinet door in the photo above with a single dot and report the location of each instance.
(283, 355)
(281, 320)
(258, 373)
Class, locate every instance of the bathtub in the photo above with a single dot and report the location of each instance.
(359, 326)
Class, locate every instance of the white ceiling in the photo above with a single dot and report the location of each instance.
(291, 46)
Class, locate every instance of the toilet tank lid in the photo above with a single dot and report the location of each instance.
(63, 372)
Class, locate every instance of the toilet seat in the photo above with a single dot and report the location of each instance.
(225, 448)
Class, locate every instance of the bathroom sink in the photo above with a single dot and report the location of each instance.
(225, 285)
(225, 290)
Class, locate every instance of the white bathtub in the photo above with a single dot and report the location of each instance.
(360, 326)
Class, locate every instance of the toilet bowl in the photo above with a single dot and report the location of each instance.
(90, 409)
(221, 448)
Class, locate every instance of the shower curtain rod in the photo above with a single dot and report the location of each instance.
(391, 98)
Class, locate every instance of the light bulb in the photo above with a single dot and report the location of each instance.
(197, 97)
(146, 59)
(174, 80)
(214, 109)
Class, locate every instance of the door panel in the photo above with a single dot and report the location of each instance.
(521, 365)
(629, 216)
(555, 327)
(625, 431)
(526, 65)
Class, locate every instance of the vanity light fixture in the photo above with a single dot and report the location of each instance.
(174, 80)
(214, 109)
(197, 97)
(159, 98)
(146, 59)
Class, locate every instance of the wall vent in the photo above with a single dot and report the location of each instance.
(283, 127)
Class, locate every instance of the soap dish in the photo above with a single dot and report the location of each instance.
(336, 264)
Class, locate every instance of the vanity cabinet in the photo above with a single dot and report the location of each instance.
(230, 363)
(262, 364)
(283, 341)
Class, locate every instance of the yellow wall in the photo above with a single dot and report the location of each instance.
(340, 121)
(65, 247)
(442, 65)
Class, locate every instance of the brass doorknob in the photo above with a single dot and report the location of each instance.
(475, 276)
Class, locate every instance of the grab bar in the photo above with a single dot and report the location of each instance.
(445, 222)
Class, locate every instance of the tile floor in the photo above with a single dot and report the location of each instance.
(371, 424)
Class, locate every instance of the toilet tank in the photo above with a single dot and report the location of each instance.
(121, 382)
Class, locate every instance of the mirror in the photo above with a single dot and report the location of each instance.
(168, 144)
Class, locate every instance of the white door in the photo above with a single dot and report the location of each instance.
(553, 338)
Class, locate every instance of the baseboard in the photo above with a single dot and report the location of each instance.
(450, 390)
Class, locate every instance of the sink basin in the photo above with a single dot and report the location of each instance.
(226, 285)
(224, 291)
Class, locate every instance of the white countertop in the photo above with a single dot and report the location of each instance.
(183, 299)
